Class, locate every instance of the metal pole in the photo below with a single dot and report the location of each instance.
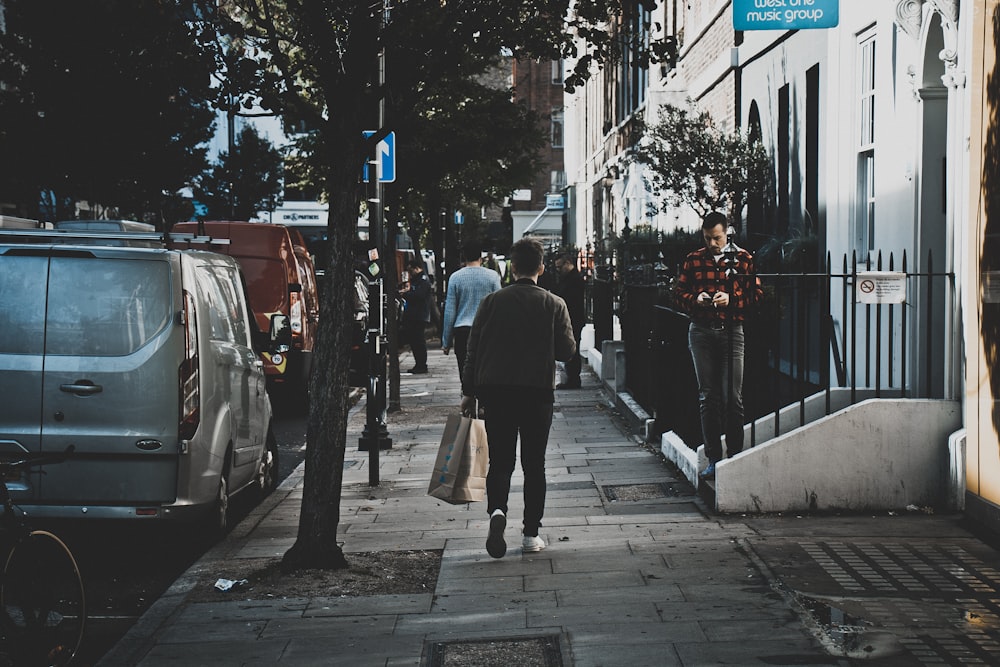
(376, 435)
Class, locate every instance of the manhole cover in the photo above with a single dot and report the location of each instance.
(637, 491)
(522, 651)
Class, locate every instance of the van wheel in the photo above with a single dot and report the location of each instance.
(220, 514)
(267, 472)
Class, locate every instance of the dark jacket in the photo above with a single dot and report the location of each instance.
(518, 334)
(571, 289)
(417, 308)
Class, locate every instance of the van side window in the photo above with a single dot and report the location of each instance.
(105, 307)
(230, 285)
(220, 309)
(227, 315)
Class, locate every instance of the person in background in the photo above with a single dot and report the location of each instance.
(517, 336)
(467, 287)
(570, 287)
(416, 314)
(717, 285)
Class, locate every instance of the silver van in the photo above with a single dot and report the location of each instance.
(142, 359)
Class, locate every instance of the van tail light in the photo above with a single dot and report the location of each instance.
(189, 384)
(295, 318)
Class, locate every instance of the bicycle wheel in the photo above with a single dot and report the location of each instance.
(42, 601)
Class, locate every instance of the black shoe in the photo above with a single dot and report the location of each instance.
(496, 546)
(417, 370)
(568, 385)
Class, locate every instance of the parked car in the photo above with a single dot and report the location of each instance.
(280, 279)
(105, 225)
(13, 222)
(91, 232)
(142, 359)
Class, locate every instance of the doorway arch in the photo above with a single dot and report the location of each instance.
(933, 237)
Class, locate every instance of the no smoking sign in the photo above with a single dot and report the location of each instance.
(874, 287)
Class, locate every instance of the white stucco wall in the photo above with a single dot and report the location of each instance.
(877, 454)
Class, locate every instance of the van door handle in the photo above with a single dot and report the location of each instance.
(82, 388)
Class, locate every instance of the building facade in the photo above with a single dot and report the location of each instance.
(538, 210)
(880, 133)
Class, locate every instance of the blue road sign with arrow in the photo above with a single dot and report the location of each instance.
(385, 158)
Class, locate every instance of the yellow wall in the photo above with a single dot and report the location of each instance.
(982, 315)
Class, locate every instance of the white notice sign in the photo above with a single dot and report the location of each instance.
(880, 287)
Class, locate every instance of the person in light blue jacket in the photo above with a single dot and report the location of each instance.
(467, 287)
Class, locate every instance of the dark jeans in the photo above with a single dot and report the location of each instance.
(720, 408)
(510, 412)
(461, 338)
(414, 335)
(575, 362)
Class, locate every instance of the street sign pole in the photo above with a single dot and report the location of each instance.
(376, 434)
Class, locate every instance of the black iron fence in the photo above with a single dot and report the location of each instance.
(812, 333)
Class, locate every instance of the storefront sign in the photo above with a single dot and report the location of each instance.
(785, 14)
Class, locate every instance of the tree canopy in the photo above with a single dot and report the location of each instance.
(245, 181)
(105, 101)
(691, 162)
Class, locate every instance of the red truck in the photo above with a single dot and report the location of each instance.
(280, 279)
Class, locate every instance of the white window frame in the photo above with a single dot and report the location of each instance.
(558, 128)
(864, 222)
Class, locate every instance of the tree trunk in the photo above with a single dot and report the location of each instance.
(326, 437)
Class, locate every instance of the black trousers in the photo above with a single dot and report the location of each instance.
(461, 337)
(575, 363)
(414, 335)
(511, 413)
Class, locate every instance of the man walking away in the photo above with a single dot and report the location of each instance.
(467, 287)
(518, 334)
(717, 285)
(416, 314)
(571, 288)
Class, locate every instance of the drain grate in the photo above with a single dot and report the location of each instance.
(627, 492)
(540, 651)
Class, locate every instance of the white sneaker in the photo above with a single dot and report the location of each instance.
(532, 544)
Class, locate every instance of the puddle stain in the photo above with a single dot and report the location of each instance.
(851, 636)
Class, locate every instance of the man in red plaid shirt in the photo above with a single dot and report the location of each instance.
(716, 286)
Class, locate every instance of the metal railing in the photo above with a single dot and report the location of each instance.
(811, 334)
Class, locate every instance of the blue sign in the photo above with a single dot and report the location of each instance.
(785, 14)
(385, 158)
(555, 202)
(459, 218)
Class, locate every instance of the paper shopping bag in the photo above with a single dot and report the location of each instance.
(462, 462)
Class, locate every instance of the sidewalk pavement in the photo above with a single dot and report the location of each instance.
(638, 570)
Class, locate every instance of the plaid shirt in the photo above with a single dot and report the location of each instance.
(701, 273)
